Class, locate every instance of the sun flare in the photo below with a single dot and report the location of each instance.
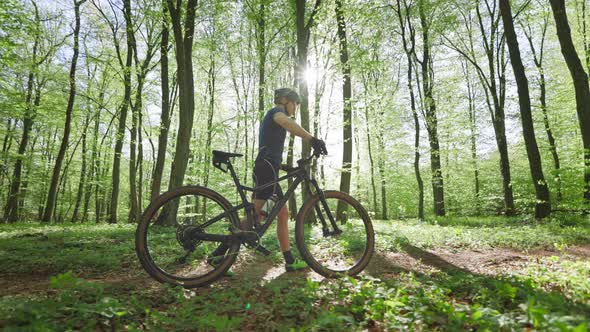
(310, 75)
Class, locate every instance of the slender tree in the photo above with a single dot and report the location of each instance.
(347, 112)
(165, 103)
(408, 36)
(260, 32)
(241, 84)
(493, 80)
(82, 181)
(303, 35)
(11, 210)
(51, 195)
(538, 57)
(472, 130)
(321, 51)
(542, 206)
(142, 68)
(35, 83)
(580, 79)
(430, 111)
(580, 6)
(381, 164)
(370, 152)
(183, 41)
(126, 68)
(213, 35)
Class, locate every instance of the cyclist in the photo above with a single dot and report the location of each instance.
(271, 141)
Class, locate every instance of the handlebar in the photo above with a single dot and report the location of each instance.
(300, 163)
(307, 160)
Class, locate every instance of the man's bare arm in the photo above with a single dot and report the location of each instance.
(291, 126)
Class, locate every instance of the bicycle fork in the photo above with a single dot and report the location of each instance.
(325, 227)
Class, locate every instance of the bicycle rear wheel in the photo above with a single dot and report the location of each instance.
(335, 254)
(165, 244)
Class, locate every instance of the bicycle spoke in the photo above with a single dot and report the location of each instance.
(174, 250)
(339, 246)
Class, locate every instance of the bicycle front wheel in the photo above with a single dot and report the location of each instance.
(167, 247)
(330, 251)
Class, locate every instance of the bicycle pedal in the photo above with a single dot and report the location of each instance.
(262, 250)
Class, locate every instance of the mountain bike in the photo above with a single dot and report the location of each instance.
(181, 230)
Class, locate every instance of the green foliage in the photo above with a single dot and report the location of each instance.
(546, 293)
(85, 305)
(549, 293)
(50, 249)
(484, 232)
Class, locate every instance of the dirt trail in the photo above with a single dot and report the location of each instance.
(253, 268)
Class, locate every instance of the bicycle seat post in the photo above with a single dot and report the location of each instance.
(236, 181)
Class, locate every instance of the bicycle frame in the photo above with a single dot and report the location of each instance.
(300, 174)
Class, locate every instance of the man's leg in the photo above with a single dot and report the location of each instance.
(283, 229)
(258, 204)
(282, 226)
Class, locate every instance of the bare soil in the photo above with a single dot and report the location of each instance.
(253, 268)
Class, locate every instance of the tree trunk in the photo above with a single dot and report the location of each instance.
(184, 47)
(6, 145)
(51, 196)
(120, 135)
(371, 162)
(543, 205)
(94, 161)
(261, 44)
(303, 34)
(81, 184)
(580, 79)
(538, 59)
(472, 135)
(583, 31)
(293, 198)
(550, 137)
(25, 184)
(139, 164)
(211, 89)
(406, 23)
(135, 158)
(165, 115)
(431, 117)
(381, 164)
(357, 168)
(320, 87)
(61, 185)
(47, 159)
(136, 146)
(494, 85)
(133, 204)
(11, 210)
(347, 112)
(497, 90)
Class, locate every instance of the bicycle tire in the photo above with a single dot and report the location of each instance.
(312, 244)
(151, 219)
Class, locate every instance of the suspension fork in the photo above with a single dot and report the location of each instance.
(325, 228)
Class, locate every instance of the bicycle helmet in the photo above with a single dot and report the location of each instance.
(288, 94)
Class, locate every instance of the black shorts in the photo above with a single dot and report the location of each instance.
(265, 172)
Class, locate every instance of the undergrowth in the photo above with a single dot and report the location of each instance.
(547, 293)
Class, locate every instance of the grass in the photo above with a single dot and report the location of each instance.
(548, 293)
(485, 232)
(49, 249)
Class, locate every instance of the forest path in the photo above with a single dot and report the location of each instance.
(252, 268)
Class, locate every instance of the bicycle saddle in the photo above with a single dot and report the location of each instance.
(221, 159)
(220, 155)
